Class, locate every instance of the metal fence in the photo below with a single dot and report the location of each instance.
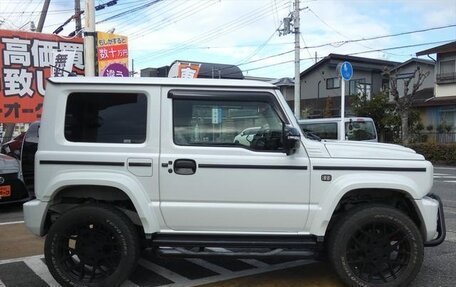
(438, 137)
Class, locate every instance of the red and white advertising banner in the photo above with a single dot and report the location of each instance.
(25, 64)
(188, 70)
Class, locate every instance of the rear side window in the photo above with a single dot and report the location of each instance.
(322, 130)
(360, 130)
(106, 118)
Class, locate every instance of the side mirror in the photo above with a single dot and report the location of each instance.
(291, 139)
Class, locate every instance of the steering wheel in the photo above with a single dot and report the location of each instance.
(261, 138)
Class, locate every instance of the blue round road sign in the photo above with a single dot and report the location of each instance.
(346, 71)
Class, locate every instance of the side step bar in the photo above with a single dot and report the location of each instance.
(252, 241)
(277, 253)
(235, 246)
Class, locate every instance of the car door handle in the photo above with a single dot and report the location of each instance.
(184, 166)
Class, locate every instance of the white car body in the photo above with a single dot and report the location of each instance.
(291, 198)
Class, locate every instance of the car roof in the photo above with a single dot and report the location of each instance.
(162, 82)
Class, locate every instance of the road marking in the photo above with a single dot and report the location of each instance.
(2, 284)
(255, 263)
(249, 272)
(168, 274)
(208, 265)
(21, 259)
(11, 222)
(450, 168)
(41, 269)
(128, 283)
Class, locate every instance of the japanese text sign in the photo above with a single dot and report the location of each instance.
(188, 70)
(112, 54)
(25, 60)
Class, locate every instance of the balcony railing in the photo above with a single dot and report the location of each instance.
(446, 78)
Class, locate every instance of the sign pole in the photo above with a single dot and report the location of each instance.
(342, 109)
(345, 70)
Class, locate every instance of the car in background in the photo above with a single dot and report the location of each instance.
(28, 150)
(13, 147)
(246, 136)
(12, 188)
(356, 128)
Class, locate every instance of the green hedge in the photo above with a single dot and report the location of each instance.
(437, 153)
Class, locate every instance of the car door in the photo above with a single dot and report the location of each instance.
(210, 183)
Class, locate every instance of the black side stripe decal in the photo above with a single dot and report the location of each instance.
(67, 162)
(140, 164)
(239, 166)
(370, 168)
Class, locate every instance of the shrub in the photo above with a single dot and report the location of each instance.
(437, 153)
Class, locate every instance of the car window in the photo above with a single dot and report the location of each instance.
(254, 125)
(322, 130)
(360, 130)
(106, 118)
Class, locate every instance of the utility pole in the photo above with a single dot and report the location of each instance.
(43, 15)
(77, 15)
(294, 16)
(89, 38)
(297, 86)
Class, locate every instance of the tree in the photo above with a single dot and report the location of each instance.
(380, 109)
(403, 104)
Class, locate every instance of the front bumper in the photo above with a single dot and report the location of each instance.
(441, 227)
(35, 215)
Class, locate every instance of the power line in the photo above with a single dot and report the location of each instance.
(129, 11)
(358, 53)
(340, 43)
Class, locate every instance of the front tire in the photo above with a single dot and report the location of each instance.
(92, 246)
(376, 246)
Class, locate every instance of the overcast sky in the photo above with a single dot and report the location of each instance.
(244, 32)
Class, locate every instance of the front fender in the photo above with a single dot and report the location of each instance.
(321, 213)
(128, 185)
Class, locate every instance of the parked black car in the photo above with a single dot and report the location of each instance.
(12, 188)
(29, 148)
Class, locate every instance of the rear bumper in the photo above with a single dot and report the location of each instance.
(441, 227)
(34, 216)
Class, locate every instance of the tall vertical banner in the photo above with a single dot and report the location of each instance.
(112, 55)
(25, 64)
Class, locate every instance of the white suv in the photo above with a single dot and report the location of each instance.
(134, 163)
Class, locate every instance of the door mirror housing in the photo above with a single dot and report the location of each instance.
(291, 139)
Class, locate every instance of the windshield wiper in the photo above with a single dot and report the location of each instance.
(312, 136)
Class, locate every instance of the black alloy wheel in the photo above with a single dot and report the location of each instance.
(378, 252)
(92, 246)
(376, 246)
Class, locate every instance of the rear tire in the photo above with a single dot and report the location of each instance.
(376, 246)
(92, 246)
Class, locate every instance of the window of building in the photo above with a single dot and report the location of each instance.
(106, 118)
(359, 87)
(332, 83)
(447, 67)
(253, 125)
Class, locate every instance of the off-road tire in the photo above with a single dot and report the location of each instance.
(92, 245)
(376, 246)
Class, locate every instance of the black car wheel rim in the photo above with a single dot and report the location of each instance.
(89, 252)
(378, 252)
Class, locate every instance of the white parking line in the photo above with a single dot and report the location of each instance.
(208, 265)
(168, 274)
(4, 261)
(11, 222)
(255, 263)
(40, 269)
(128, 283)
(2, 284)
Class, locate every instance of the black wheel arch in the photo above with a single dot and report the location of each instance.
(399, 199)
